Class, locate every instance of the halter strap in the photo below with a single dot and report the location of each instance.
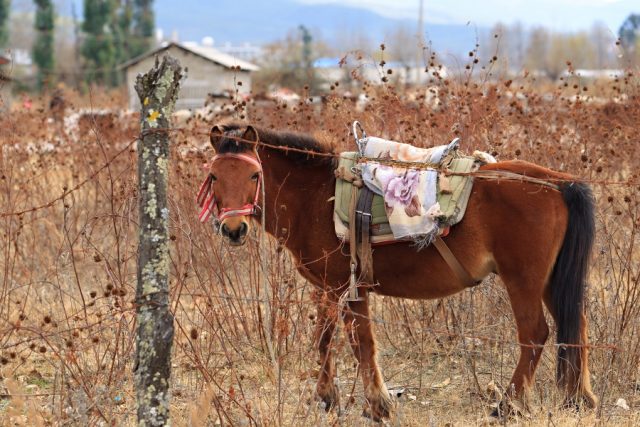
(253, 160)
(206, 198)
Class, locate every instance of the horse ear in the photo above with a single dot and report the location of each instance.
(215, 136)
(251, 134)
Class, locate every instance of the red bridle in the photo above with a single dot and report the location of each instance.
(206, 198)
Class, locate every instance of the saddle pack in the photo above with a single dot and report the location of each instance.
(452, 194)
(387, 188)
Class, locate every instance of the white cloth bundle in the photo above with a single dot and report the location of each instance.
(410, 194)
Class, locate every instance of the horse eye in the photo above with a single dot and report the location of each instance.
(255, 176)
(213, 178)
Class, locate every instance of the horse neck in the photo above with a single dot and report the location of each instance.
(293, 190)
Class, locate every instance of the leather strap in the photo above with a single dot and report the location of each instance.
(360, 240)
(364, 244)
(353, 248)
(346, 174)
(358, 213)
(453, 262)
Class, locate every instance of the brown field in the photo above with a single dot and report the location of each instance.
(67, 268)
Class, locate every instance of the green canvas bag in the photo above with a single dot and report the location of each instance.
(453, 197)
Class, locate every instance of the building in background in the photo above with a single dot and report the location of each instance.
(332, 70)
(210, 72)
(246, 51)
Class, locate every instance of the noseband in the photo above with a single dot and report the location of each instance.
(206, 198)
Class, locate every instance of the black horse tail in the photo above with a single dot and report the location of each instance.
(568, 282)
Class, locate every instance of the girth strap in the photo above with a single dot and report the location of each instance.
(453, 262)
(360, 245)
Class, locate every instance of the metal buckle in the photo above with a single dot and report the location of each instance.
(360, 142)
(352, 292)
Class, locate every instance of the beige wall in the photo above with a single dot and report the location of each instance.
(203, 77)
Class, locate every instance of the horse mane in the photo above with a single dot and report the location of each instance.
(294, 140)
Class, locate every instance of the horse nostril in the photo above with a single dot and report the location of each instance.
(234, 235)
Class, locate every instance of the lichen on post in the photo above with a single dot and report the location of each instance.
(158, 91)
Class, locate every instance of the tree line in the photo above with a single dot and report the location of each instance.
(114, 31)
(515, 48)
(549, 52)
(111, 32)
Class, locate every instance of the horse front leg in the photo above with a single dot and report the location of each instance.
(326, 388)
(359, 329)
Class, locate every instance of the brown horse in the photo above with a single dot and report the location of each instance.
(536, 238)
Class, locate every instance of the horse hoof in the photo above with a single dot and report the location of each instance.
(577, 403)
(328, 400)
(507, 410)
(571, 405)
(377, 410)
(377, 418)
(501, 413)
(328, 403)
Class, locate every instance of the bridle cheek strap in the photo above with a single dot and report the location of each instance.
(207, 201)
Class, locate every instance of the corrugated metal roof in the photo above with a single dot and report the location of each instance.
(210, 53)
(222, 58)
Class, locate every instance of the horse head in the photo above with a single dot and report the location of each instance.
(232, 189)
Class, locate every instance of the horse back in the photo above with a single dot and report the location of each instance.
(522, 167)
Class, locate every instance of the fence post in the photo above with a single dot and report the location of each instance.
(158, 91)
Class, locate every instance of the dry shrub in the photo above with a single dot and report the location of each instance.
(243, 351)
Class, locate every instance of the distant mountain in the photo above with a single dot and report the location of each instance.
(262, 21)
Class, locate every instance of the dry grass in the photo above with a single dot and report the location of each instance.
(68, 270)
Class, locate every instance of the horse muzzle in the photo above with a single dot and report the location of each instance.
(235, 231)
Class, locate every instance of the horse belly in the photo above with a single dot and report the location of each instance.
(407, 273)
(427, 289)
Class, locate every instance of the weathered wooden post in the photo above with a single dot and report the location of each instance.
(158, 91)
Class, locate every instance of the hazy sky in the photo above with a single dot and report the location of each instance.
(568, 15)
(560, 15)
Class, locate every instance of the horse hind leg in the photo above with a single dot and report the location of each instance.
(582, 386)
(575, 379)
(533, 331)
(565, 295)
(359, 329)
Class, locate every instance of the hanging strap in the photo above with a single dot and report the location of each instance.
(453, 262)
(360, 240)
(364, 216)
(360, 246)
(353, 248)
